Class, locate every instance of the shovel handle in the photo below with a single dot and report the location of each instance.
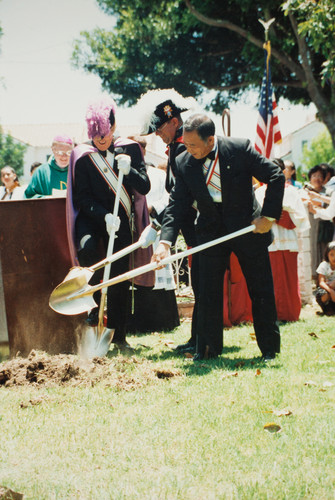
(112, 233)
(118, 255)
(109, 252)
(168, 260)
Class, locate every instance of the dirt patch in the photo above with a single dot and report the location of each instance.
(41, 369)
(310, 310)
(8, 494)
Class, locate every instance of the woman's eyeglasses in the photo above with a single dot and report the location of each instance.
(62, 153)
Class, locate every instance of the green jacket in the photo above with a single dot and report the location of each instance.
(47, 177)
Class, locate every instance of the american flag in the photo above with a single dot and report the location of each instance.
(268, 131)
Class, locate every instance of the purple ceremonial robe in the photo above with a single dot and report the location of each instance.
(142, 256)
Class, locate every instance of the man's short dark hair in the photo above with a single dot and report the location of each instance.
(328, 169)
(203, 125)
(34, 166)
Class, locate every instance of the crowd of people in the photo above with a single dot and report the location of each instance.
(209, 187)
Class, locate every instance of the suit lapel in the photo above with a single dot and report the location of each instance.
(197, 179)
(225, 170)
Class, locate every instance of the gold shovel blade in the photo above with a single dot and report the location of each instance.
(76, 281)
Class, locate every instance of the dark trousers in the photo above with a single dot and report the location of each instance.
(92, 248)
(195, 288)
(256, 268)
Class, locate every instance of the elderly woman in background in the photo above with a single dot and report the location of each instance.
(321, 231)
(10, 189)
(50, 179)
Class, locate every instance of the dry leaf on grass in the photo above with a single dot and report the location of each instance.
(282, 413)
(169, 343)
(312, 334)
(309, 383)
(272, 427)
(231, 374)
(188, 355)
(333, 346)
(258, 372)
(253, 336)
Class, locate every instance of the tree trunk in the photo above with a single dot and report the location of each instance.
(328, 118)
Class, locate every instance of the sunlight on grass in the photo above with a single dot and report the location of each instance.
(197, 435)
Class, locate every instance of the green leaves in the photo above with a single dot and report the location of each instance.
(316, 24)
(199, 45)
(11, 153)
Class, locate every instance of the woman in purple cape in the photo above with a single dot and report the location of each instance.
(90, 205)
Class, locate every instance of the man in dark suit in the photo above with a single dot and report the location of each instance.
(221, 186)
(162, 111)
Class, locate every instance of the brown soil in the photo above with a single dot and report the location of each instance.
(310, 310)
(41, 369)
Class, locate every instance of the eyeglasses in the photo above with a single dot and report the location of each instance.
(162, 127)
(63, 153)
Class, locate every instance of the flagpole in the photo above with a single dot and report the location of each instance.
(266, 25)
(267, 45)
(267, 130)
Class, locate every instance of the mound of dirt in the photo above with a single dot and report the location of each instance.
(42, 369)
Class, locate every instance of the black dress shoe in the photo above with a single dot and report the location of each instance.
(207, 354)
(123, 345)
(268, 356)
(188, 347)
(93, 317)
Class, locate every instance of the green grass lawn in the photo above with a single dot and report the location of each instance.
(197, 435)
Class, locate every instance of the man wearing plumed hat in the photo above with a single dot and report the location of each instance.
(160, 112)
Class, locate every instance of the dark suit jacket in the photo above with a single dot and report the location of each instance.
(187, 226)
(175, 149)
(239, 162)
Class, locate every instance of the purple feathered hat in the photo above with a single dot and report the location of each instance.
(100, 117)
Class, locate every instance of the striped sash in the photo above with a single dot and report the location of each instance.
(212, 177)
(105, 168)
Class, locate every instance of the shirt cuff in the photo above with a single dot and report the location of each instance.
(271, 219)
(169, 243)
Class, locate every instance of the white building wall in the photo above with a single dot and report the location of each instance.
(33, 154)
(295, 142)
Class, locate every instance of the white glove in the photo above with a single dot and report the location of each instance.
(148, 236)
(112, 223)
(123, 163)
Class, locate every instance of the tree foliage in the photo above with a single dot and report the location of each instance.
(320, 150)
(11, 153)
(196, 45)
